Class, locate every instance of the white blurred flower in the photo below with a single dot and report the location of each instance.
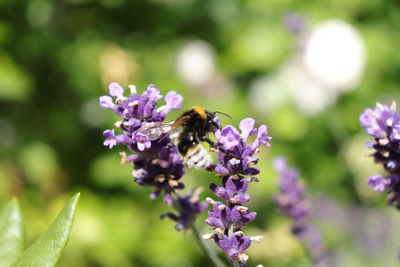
(335, 55)
(267, 94)
(309, 95)
(195, 63)
(332, 62)
(293, 83)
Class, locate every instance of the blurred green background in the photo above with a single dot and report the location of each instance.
(307, 69)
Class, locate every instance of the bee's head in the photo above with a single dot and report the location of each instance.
(213, 122)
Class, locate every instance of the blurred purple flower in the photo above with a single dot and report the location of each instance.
(294, 22)
(378, 182)
(291, 202)
(383, 124)
(229, 216)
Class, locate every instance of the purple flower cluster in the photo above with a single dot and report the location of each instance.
(383, 124)
(292, 202)
(155, 160)
(189, 207)
(237, 160)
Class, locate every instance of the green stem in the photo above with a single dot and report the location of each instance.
(203, 246)
(209, 252)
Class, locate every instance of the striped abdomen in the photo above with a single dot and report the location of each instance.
(197, 157)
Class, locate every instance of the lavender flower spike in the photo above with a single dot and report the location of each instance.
(292, 202)
(229, 216)
(156, 163)
(383, 124)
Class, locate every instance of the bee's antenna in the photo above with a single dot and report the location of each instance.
(225, 115)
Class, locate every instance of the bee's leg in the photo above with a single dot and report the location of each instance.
(209, 141)
(214, 147)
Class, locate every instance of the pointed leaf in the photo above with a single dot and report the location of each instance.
(47, 250)
(12, 236)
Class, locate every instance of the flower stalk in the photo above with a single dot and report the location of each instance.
(228, 217)
(292, 202)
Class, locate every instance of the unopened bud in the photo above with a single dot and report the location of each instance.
(238, 233)
(256, 238)
(210, 200)
(242, 208)
(132, 88)
(134, 103)
(221, 207)
(207, 236)
(118, 124)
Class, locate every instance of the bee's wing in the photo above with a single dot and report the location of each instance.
(154, 130)
(178, 122)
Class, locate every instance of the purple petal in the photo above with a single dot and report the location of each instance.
(378, 182)
(262, 137)
(249, 216)
(219, 191)
(217, 133)
(224, 243)
(395, 136)
(233, 253)
(202, 206)
(105, 101)
(243, 185)
(230, 185)
(173, 100)
(236, 186)
(236, 216)
(244, 243)
(180, 227)
(221, 169)
(247, 127)
(131, 158)
(251, 171)
(115, 89)
(229, 137)
(148, 101)
(369, 144)
(142, 141)
(133, 122)
(240, 198)
(168, 199)
(214, 222)
(152, 93)
(111, 139)
(366, 118)
(141, 173)
(155, 194)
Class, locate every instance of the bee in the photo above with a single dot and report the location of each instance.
(195, 123)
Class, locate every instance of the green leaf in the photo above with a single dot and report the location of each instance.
(12, 236)
(47, 250)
